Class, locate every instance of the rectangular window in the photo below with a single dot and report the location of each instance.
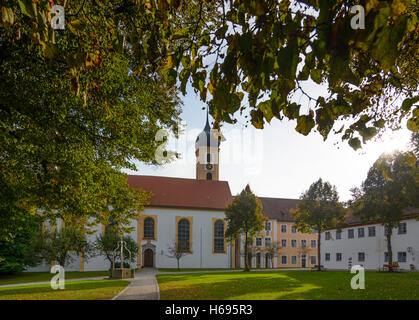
(293, 229)
(327, 235)
(338, 235)
(283, 228)
(283, 243)
(338, 256)
(371, 231)
(313, 260)
(209, 158)
(402, 228)
(258, 242)
(327, 257)
(303, 243)
(284, 259)
(401, 256)
(294, 243)
(313, 243)
(293, 259)
(350, 233)
(361, 232)
(268, 242)
(361, 256)
(268, 226)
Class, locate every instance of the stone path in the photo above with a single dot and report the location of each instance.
(143, 287)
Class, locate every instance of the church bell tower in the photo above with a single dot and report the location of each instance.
(207, 149)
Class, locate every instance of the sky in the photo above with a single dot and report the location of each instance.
(276, 161)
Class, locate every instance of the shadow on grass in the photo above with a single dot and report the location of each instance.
(69, 286)
(286, 285)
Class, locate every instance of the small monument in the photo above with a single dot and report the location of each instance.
(122, 273)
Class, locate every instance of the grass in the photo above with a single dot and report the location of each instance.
(194, 269)
(285, 285)
(77, 290)
(26, 277)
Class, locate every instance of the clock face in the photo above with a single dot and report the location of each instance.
(209, 166)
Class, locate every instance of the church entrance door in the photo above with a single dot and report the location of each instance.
(148, 258)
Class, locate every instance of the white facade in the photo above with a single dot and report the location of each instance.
(405, 247)
(201, 256)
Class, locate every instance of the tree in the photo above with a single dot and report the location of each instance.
(319, 209)
(73, 117)
(15, 249)
(244, 217)
(60, 245)
(273, 250)
(176, 251)
(108, 243)
(391, 187)
(414, 141)
(263, 50)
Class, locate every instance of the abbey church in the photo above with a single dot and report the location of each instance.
(189, 213)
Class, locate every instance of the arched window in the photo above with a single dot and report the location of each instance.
(219, 236)
(149, 228)
(183, 235)
(209, 176)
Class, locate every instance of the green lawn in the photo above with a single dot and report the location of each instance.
(26, 277)
(283, 285)
(194, 269)
(77, 290)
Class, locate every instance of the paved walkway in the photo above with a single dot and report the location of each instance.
(143, 287)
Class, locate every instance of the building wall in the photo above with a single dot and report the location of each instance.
(202, 255)
(299, 251)
(374, 247)
(276, 236)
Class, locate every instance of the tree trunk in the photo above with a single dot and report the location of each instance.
(319, 257)
(246, 250)
(389, 250)
(178, 267)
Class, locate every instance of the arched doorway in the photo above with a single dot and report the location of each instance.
(148, 258)
(267, 259)
(258, 260)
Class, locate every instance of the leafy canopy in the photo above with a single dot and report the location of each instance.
(263, 50)
(319, 208)
(74, 112)
(244, 215)
(391, 187)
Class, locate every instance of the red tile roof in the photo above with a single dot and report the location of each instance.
(352, 220)
(184, 193)
(278, 208)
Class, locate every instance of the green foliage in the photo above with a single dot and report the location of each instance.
(391, 187)
(108, 243)
(15, 248)
(76, 107)
(61, 244)
(319, 209)
(256, 46)
(414, 141)
(244, 217)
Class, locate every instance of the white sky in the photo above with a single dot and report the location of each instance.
(276, 161)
